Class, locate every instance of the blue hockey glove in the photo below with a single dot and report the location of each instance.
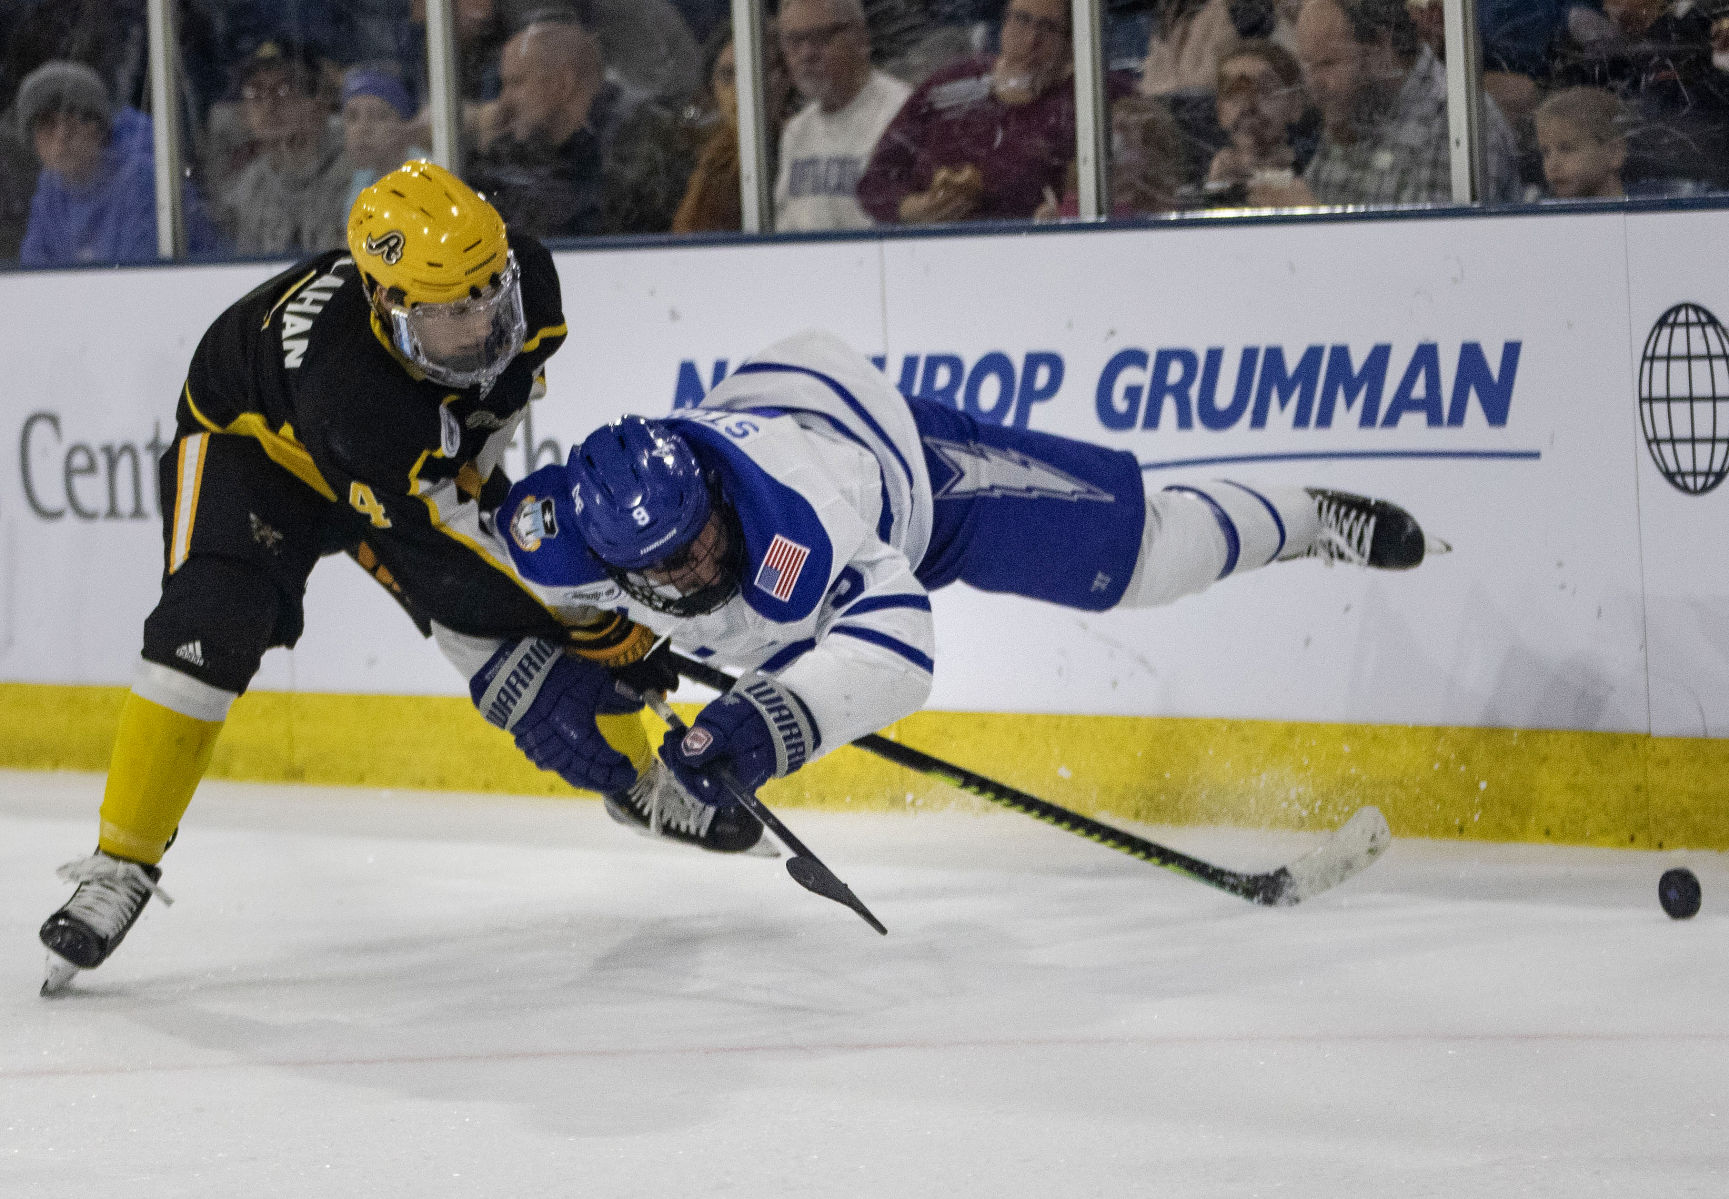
(759, 730)
(548, 700)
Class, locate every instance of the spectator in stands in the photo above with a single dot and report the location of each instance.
(95, 199)
(289, 199)
(712, 202)
(579, 155)
(1657, 57)
(1189, 38)
(1265, 113)
(983, 138)
(378, 129)
(1383, 101)
(1516, 38)
(1146, 168)
(824, 149)
(1582, 134)
(557, 113)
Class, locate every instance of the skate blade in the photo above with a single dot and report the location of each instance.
(60, 973)
(765, 848)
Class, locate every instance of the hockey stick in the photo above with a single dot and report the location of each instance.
(1346, 851)
(806, 868)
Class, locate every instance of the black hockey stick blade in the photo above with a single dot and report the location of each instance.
(812, 875)
(1346, 851)
(806, 868)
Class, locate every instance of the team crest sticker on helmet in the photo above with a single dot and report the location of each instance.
(533, 523)
(389, 247)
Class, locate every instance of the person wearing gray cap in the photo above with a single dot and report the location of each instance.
(95, 199)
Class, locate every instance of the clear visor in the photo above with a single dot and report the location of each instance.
(465, 342)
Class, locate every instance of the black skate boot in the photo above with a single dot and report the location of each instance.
(111, 893)
(658, 807)
(1365, 532)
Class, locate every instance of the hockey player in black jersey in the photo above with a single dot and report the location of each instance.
(359, 402)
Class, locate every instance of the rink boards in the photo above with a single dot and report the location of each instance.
(1561, 674)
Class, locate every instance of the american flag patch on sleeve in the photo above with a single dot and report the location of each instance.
(778, 574)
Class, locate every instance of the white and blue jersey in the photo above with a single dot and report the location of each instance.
(854, 502)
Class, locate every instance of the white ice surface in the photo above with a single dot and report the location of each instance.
(367, 994)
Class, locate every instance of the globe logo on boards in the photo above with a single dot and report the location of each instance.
(1684, 398)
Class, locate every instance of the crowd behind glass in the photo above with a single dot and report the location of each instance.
(609, 117)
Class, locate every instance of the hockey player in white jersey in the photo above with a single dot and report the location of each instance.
(793, 525)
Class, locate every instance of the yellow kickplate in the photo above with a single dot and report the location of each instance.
(1610, 789)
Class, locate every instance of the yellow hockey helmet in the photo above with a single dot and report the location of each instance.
(438, 266)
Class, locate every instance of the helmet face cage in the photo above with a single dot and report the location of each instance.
(698, 577)
(467, 342)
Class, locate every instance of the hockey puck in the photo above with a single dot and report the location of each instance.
(1678, 892)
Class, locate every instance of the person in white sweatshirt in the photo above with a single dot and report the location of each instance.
(824, 148)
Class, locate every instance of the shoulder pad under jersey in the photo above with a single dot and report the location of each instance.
(538, 521)
(788, 556)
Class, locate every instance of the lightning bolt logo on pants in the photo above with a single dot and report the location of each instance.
(983, 470)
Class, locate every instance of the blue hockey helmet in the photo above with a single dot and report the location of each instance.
(654, 518)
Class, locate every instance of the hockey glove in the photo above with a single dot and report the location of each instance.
(652, 672)
(759, 730)
(547, 700)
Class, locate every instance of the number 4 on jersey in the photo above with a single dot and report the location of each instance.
(361, 499)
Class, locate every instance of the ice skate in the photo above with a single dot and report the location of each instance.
(111, 893)
(1360, 531)
(658, 807)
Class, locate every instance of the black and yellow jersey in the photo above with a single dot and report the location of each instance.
(303, 365)
(411, 467)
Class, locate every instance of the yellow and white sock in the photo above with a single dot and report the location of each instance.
(168, 729)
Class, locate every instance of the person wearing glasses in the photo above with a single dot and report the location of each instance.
(824, 148)
(984, 138)
(360, 401)
(1265, 113)
(290, 198)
